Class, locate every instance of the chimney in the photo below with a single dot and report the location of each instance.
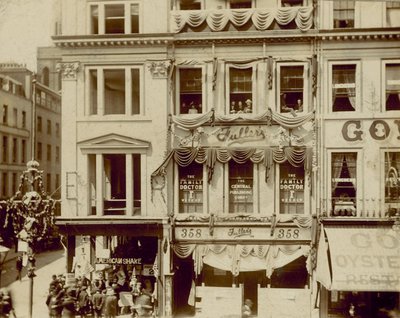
(28, 86)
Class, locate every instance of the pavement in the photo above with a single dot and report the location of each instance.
(47, 264)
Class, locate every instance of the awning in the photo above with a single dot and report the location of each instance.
(363, 258)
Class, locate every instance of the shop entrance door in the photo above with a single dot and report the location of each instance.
(250, 280)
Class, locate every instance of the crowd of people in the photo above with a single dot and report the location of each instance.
(100, 297)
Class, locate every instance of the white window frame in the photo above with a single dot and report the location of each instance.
(307, 210)
(228, 66)
(359, 185)
(203, 88)
(385, 18)
(306, 81)
(383, 89)
(100, 90)
(176, 190)
(101, 16)
(357, 107)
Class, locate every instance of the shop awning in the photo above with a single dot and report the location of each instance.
(362, 258)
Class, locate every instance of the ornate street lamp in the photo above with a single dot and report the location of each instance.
(31, 211)
(3, 255)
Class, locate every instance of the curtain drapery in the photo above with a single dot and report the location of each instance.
(261, 18)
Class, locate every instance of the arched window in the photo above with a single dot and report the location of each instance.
(45, 76)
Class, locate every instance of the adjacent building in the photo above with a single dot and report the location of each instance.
(227, 150)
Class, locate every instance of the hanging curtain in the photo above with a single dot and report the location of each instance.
(392, 81)
(337, 162)
(351, 166)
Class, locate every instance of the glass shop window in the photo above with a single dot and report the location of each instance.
(344, 87)
(190, 91)
(191, 188)
(392, 88)
(291, 189)
(344, 183)
(240, 90)
(240, 187)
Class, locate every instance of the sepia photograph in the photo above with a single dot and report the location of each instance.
(200, 158)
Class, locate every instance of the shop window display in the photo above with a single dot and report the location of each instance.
(291, 185)
(240, 187)
(191, 188)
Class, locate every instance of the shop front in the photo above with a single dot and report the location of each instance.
(124, 255)
(221, 264)
(358, 269)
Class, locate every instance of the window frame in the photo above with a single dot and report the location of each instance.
(387, 9)
(384, 83)
(100, 97)
(178, 88)
(101, 25)
(306, 83)
(354, 19)
(358, 92)
(359, 183)
(396, 203)
(228, 67)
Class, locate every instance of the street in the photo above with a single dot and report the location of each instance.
(47, 263)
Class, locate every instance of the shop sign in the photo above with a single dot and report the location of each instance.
(241, 191)
(148, 270)
(378, 130)
(190, 184)
(291, 185)
(119, 261)
(240, 233)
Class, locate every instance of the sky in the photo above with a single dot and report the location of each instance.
(24, 26)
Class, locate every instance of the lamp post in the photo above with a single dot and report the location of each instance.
(31, 211)
(3, 255)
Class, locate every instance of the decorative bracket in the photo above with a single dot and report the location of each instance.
(68, 70)
(159, 69)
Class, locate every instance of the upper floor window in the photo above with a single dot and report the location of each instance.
(45, 76)
(240, 4)
(240, 187)
(344, 87)
(15, 115)
(14, 183)
(14, 150)
(57, 154)
(23, 119)
(191, 188)
(343, 13)
(49, 127)
(114, 18)
(5, 114)
(39, 124)
(4, 185)
(240, 90)
(291, 87)
(190, 91)
(190, 5)
(23, 151)
(5, 149)
(117, 91)
(48, 183)
(291, 189)
(392, 13)
(291, 3)
(39, 151)
(48, 152)
(392, 87)
(392, 182)
(57, 129)
(344, 183)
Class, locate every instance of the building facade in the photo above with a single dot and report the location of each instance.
(218, 148)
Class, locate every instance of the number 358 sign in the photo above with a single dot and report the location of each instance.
(195, 233)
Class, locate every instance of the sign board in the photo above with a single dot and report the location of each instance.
(148, 270)
(70, 279)
(219, 301)
(118, 261)
(242, 233)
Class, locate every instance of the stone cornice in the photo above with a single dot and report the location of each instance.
(206, 38)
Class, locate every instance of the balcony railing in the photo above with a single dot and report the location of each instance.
(261, 19)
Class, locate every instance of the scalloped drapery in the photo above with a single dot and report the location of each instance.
(268, 116)
(261, 18)
(237, 258)
(296, 156)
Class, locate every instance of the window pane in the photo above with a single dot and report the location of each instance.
(392, 86)
(190, 91)
(344, 87)
(344, 183)
(240, 88)
(134, 18)
(94, 19)
(190, 5)
(115, 18)
(137, 192)
(240, 187)
(114, 184)
(135, 91)
(292, 86)
(114, 92)
(240, 4)
(343, 14)
(93, 91)
(392, 182)
(291, 189)
(191, 188)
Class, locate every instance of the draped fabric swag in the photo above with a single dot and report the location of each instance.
(261, 18)
(209, 117)
(185, 156)
(240, 258)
